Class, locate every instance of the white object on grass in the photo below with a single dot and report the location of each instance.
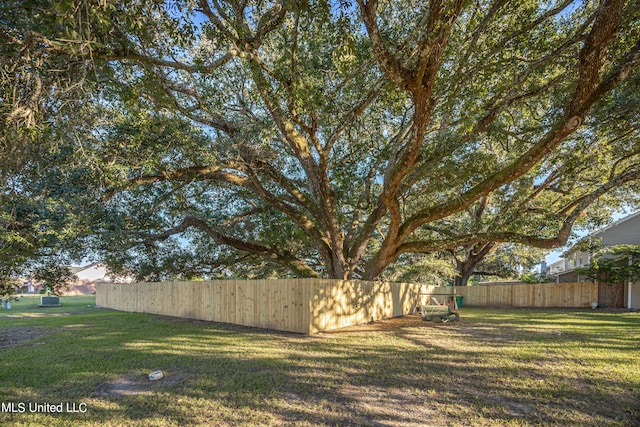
(156, 375)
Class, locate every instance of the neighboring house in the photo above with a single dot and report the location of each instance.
(85, 281)
(554, 269)
(26, 286)
(89, 272)
(624, 232)
(88, 276)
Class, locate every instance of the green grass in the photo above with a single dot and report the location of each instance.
(494, 367)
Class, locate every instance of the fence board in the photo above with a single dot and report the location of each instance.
(540, 295)
(313, 305)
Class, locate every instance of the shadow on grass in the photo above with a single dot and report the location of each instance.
(487, 369)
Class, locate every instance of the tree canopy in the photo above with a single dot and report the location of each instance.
(321, 138)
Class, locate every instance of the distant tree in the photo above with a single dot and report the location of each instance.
(54, 278)
(8, 287)
(417, 268)
(322, 138)
(506, 261)
(531, 278)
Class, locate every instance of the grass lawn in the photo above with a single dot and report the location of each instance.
(494, 367)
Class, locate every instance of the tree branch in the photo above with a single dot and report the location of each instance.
(580, 103)
(192, 173)
(284, 258)
(631, 174)
(390, 65)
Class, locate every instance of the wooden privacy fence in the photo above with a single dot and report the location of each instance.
(569, 295)
(313, 305)
(294, 305)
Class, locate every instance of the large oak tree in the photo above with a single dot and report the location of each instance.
(330, 138)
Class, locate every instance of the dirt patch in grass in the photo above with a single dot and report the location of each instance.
(408, 321)
(133, 385)
(12, 337)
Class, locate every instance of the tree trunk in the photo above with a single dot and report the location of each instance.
(465, 271)
(462, 280)
(474, 255)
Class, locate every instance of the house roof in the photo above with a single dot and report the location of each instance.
(78, 269)
(625, 231)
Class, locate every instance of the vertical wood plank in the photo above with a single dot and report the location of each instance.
(311, 305)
